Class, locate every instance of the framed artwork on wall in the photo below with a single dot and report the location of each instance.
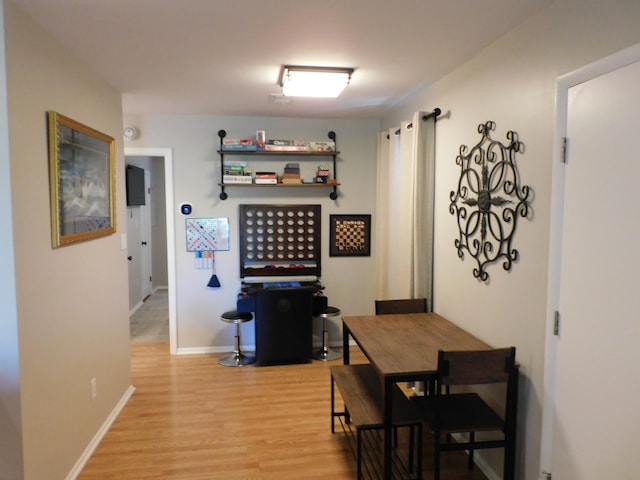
(82, 181)
(350, 235)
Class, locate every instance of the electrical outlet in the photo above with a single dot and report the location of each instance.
(94, 388)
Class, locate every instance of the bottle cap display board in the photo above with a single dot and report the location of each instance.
(280, 240)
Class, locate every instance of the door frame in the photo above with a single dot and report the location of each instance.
(564, 83)
(167, 154)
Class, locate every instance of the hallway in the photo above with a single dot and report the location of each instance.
(150, 323)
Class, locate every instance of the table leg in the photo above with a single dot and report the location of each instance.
(388, 430)
(345, 344)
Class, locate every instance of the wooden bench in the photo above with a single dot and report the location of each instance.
(361, 391)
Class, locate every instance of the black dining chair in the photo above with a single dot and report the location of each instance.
(404, 305)
(466, 412)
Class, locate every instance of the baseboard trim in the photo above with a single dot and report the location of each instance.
(248, 348)
(207, 350)
(102, 431)
(135, 309)
(484, 466)
(480, 462)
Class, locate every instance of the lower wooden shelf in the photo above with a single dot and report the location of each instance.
(333, 195)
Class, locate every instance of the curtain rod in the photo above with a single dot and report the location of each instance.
(434, 114)
(425, 117)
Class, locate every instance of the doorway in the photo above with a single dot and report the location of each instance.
(165, 155)
(146, 240)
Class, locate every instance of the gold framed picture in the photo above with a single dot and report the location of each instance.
(82, 181)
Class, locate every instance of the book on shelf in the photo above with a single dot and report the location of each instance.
(241, 179)
(266, 175)
(266, 181)
(285, 143)
(237, 141)
(321, 146)
(285, 148)
(234, 163)
(239, 148)
(291, 180)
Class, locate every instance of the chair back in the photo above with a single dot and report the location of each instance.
(476, 367)
(405, 305)
(466, 412)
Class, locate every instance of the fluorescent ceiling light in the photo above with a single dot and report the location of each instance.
(328, 82)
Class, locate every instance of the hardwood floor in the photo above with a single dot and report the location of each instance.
(192, 419)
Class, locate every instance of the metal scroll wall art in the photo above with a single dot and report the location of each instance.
(489, 200)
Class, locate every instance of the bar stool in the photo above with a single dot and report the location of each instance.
(236, 358)
(325, 353)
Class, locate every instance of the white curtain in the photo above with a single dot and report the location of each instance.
(404, 226)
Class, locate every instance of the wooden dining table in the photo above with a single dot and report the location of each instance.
(403, 347)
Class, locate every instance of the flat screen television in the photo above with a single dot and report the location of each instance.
(135, 186)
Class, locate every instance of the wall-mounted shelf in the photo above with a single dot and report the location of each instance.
(333, 184)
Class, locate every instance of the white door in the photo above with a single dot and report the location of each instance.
(146, 237)
(596, 416)
(134, 256)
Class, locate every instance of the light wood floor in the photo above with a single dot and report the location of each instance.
(192, 419)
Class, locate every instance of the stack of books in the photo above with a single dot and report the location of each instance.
(266, 178)
(322, 174)
(234, 172)
(291, 173)
(239, 144)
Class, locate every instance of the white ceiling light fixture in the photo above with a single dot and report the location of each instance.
(326, 82)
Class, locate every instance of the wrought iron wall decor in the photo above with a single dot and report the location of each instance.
(489, 199)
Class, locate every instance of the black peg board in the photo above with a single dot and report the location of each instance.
(277, 240)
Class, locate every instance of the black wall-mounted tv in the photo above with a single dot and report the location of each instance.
(135, 186)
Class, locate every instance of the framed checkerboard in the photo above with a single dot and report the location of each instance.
(349, 235)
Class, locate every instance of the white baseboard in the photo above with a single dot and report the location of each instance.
(102, 431)
(249, 348)
(206, 350)
(480, 462)
(484, 466)
(135, 309)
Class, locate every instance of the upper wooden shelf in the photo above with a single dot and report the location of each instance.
(285, 153)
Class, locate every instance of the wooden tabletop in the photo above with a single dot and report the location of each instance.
(408, 344)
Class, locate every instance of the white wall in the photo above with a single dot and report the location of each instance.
(194, 141)
(11, 460)
(71, 301)
(513, 83)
